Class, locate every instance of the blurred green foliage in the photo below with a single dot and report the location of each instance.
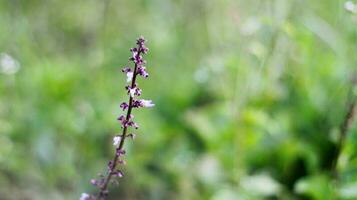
(250, 96)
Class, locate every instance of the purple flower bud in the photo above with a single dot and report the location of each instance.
(110, 165)
(132, 124)
(144, 50)
(124, 105)
(140, 41)
(142, 71)
(136, 103)
(118, 173)
(93, 182)
(124, 124)
(120, 152)
(126, 69)
(121, 162)
(137, 91)
(121, 117)
(142, 103)
(134, 49)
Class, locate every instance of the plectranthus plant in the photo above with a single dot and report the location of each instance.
(114, 171)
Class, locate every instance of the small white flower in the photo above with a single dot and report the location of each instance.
(147, 103)
(132, 92)
(8, 65)
(129, 76)
(116, 140)
(134, 54)
(351, 7)
(84, 196)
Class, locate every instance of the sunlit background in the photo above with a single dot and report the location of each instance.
(250, 97)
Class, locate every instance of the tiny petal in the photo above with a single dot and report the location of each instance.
(93, 182)
(134, 53)
(116, 140)
(129, 76)
(84, 196)
(132, 92)
(118, 173)
(147, 103)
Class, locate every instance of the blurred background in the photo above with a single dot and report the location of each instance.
(250, 97)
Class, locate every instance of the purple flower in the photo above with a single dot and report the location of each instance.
(120, 152)
(124, 106)
(118, 173)
(121, 117)
(142, 71)
(126, 69)
(142, 103)
(132, 124)
(137, 91)
(136, 103)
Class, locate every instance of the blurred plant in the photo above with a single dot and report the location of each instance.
(125, 121)
(346, 124)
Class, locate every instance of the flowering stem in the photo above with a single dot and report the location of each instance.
(103, 189)
(126, 121)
